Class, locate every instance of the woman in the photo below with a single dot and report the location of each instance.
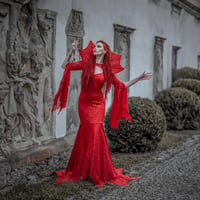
(90, 157)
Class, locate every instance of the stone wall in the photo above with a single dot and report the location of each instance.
(27, 87)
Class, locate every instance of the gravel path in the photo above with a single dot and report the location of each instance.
(174, 175)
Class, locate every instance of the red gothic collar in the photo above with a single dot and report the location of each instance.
(114, 58)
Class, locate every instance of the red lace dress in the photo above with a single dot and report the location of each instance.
(90, 157)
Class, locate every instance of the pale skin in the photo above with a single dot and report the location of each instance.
(73, 49)
(99, 53)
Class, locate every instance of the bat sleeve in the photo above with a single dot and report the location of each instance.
(119, 107)
(60, 98)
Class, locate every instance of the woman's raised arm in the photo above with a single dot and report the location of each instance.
(73, 49)
(144, 76)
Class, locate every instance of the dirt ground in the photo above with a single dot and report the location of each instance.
(170, 172)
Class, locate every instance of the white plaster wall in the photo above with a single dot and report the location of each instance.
(148, 19)
(63, 8)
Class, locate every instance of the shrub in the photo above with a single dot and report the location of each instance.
(181, 108)
(190, 84)
(185, 72)
(143, 133)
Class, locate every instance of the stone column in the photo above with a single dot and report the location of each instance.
(158, 65)
(175, 50)
(74, 30)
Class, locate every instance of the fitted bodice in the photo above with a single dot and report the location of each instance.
(98, 78)
(98, 82)
(92, 102)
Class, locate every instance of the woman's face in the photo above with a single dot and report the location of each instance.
(99, 49)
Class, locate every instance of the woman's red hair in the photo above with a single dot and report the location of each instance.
(88, 71)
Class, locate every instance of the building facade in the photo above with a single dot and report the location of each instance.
(151, 35)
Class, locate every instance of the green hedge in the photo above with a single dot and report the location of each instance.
(185, 72)
(181, 108)
(143, 133)
(190, 84)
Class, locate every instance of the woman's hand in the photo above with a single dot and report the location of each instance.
(74, 45)
(73, 49)
(145, 76)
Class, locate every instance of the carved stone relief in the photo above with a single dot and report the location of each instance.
(27, 71)
(75, 24)
(178, 5)
(158, 65)
(74, 30)
(122, 46)
(175, 56)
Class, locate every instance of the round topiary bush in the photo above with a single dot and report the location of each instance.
(190, 84)
(143, 133)
(185, 72)
(181, 108)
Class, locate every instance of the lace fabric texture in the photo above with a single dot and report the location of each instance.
(90, 157)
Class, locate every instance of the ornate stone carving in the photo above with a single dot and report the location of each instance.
(158, 65)
(27, 70)
(75, 25)
(122, 46)
(74, 29)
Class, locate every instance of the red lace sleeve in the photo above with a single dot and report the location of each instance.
(60, 98)
(76, 65)
(119, 107)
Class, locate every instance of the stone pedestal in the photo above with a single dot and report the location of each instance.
(37, 153)
(29, 156)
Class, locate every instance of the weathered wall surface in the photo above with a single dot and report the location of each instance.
(63, 9)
